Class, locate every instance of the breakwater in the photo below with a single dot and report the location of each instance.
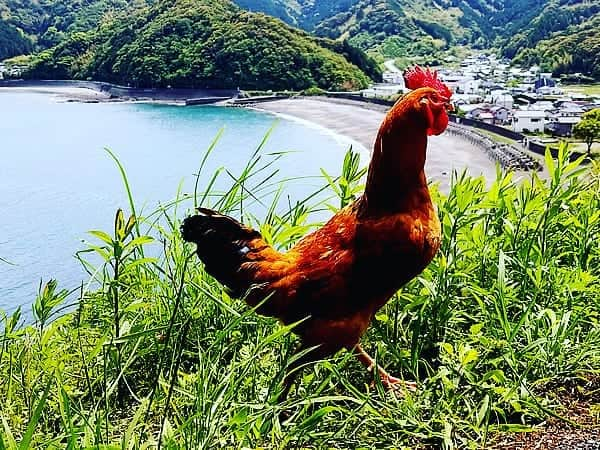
(126, 92)
(509, 156)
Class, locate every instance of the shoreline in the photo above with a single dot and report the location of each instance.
(67, 94)
(346, 120)
(360, 121)
(364, 151)
(101, 92)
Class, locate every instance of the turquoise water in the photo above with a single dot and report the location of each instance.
(57, 182)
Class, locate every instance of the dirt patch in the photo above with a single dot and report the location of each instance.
(579, 403)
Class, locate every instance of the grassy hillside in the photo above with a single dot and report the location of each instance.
(501, 331)
(187, 43)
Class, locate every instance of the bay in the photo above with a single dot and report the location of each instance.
(57, 182)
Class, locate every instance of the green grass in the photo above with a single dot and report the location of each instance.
(588, 89)
(157, 355)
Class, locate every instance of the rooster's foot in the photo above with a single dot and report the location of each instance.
(388, 381)
(396, 385)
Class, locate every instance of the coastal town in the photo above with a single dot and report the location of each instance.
(210, 217)
(490, 90)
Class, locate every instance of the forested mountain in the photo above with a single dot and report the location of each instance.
(575, 50)
(393, 27)
(561, 35)
(202, 43)
(564, 37)
(13, 41)
(43, 23)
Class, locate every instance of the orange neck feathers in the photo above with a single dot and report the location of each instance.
(396, 179)
(397, 165)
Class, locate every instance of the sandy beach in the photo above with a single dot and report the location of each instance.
(360, 122)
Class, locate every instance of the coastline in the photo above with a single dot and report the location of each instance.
(68, 94)
(363, 151)
(346, 120)
(359, 122)
(99, 91)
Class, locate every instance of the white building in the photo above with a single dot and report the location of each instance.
(461, 84)
(542, 105)
(465, 99)
(393, 78)
(382, 90)
(505, 100)
(528, 120)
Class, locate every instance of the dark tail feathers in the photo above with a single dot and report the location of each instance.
(223, 244)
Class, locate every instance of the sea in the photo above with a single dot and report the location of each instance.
(57, 181)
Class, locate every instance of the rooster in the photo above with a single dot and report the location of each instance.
(333, 281)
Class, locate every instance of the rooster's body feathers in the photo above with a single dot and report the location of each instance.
(336, 277)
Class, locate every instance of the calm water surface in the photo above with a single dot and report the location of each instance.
(57, 182)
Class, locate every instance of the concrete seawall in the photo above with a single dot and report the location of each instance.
(125, 92)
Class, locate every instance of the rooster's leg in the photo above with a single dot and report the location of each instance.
(388, 381)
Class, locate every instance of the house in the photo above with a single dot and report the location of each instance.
(393, 78)
(544, 84)
(472, 111)
(461, 84)
(561, 126)
(486, 116)
(542, 105)
(465, 99)
(501, 114)
(503, 99)
(12, 71)
(486, 113)
(528, 121)
(567, 110)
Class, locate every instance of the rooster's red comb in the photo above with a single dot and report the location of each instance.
(418, 77)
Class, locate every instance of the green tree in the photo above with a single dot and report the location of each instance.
(589, 128)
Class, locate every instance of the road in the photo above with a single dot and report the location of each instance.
(391, 67)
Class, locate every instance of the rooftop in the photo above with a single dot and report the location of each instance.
(529, 113)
